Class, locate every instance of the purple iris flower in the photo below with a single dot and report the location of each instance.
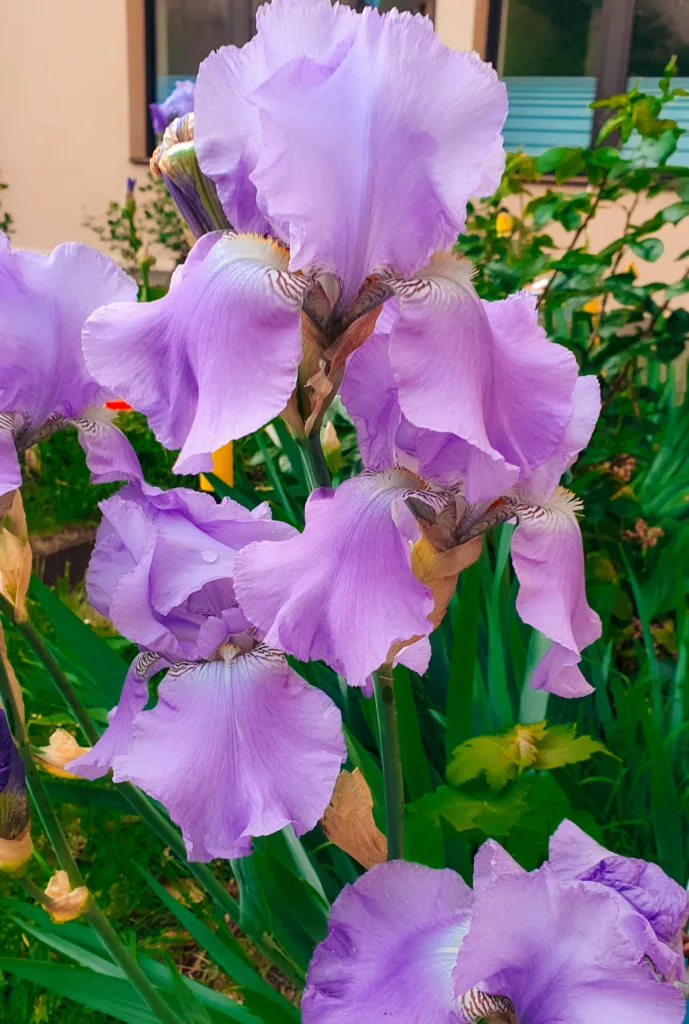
(44, 383)
(237, 745)
(177, 104)
(413, 945)
(351, 574)
(660, 900)
(344, 148)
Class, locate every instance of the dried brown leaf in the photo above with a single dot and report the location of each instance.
(348, 820)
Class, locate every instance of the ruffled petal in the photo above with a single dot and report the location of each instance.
(577, 435)
(109, 455)
(392, 943)
(44, 301)
(117, 738)
(548, 559)
(214, 359)
(343, 590)
(228, 122)
(370, 394)
(336, 132)
(563, 952)
(659, 899)
(163, 562)
(482, 371)
(237, 749)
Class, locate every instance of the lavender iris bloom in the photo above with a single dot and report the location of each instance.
(351, 574)
(44, 384)
(659, 899)
(344, 148)
(412, 945)
(177, 104)
(238, 745)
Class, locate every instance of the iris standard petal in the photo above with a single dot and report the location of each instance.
(343, 590)
(561, 951)
(482, 371)
(44, 301)
(234, 749)
(370, 394)
(658, 898)
(586, 399)
(117, 738)
(157, 553)
(393, 105)
(548, 558)
(214, 359)
(392, 943)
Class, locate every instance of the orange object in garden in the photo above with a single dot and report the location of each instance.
(223, 468)
(119, 405)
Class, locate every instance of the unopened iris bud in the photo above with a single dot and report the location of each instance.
(65, 904)
(194, 195)
(15, 836)
(332, 449)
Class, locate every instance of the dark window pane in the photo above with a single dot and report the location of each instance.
(548, 60)
(187, 30)
(551, 37)
(661, 28)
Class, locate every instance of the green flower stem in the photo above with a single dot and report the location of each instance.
(65, 688)
(118, 952)
(392, 761)
(317, 472)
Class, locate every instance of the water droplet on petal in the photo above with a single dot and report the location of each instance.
(209, 556)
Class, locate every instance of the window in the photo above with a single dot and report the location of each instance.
(556, 56)
(183, 32)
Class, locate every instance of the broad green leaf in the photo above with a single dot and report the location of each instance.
(560, 746)
(112, 996)
(93, 654)
(650, 249)
(494, 815)
(506, 755)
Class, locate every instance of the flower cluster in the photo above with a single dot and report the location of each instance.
(343, 149)
(588, 938)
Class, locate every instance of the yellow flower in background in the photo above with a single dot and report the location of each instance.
(632, 269)
(223, 468)
(593, 306)
(503, 224)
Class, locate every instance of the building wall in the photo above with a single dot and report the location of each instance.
(65, 124)
(64, 119)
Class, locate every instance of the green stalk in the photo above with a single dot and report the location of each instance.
(118, 952)
(315, 466)
(65, 688)
(392, 762)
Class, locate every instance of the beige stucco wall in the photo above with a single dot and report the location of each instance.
(456, 22)
(64, 119)
(609, 224)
